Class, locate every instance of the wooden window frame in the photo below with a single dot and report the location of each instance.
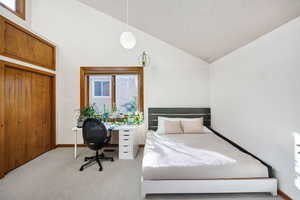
(20, 8)
(84, 82)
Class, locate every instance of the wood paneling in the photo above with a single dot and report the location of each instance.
(28, 114)
(16, 42)
(2, 136)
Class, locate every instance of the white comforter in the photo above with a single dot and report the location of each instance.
(165, 152)
(196, 156)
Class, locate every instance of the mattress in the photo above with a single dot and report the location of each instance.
(182, 159)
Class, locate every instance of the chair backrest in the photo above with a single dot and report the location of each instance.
(94, 133)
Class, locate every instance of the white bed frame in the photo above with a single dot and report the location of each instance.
(265, 185)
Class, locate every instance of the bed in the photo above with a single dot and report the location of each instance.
(232, 169)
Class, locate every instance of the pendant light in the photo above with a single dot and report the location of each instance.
(127, 39)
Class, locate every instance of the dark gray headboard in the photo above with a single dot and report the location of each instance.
(154, 113)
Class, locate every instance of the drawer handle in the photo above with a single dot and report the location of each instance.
(127, 135)
(125, 145)
(125, 152)
(125, 139)
(126, 130)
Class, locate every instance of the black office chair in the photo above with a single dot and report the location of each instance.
(95, 135)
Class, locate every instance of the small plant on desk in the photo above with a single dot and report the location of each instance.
(85, 113)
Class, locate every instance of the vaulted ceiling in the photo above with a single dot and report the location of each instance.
(208, 29)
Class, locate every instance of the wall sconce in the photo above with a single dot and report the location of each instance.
(144, 59)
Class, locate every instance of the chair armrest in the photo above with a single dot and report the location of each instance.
(108, 135)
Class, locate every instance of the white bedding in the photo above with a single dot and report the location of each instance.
(196, 156)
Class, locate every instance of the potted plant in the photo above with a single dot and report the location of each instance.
(85, 113)
(135, 118)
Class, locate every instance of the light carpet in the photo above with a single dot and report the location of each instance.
(55, 176)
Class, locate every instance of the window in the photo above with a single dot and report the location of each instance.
(100, 93)
(112, 88)
(125, 93)
(15, 6)
(10, 4)
(101, 87)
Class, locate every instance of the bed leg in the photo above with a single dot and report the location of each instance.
(143, 193)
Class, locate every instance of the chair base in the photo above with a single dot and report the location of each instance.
(93, 159)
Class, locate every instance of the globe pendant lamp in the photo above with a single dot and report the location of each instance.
(127, 39)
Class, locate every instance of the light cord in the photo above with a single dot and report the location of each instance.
(127, 20)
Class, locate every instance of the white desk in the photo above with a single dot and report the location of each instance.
(128, 140)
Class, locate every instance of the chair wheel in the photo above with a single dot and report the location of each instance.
(85, 159)
(100, 169)
(81, 169)
(112, 160)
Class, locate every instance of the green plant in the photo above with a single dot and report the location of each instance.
(139, 118)
(135, 118)
(88, 112)
(132, 105)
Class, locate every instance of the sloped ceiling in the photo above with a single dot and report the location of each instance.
(208, 29)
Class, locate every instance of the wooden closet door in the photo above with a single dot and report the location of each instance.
(17, 121)
(28, 120)
(41, 114)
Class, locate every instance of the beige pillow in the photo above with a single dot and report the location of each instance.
(173, 127)
(195, 126)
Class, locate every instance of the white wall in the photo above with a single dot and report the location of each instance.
(86, 37)
(255, 99)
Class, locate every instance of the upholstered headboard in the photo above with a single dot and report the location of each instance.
(154, 113)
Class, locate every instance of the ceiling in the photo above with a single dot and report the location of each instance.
(208, 29)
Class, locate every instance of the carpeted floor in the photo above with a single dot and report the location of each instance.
(55, 176)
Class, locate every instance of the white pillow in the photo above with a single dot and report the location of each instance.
(161, 125)
(192, 126)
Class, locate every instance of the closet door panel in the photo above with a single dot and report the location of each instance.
(16, 122)
(21, 132)
(2, 122)
(41, 112)
(10, 116)
(30, 140)
(27, 114)
(37, 113)
(47, 113)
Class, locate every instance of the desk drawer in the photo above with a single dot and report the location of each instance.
(125, 148)
(125, 153)
(125, 137)
(125, 142)
(125, 131)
